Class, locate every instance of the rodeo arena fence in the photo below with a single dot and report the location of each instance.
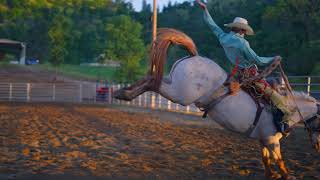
(99, 93)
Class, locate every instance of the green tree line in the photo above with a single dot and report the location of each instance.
(78, 31)
(289, 28)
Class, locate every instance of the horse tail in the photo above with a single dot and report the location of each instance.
(158, 55)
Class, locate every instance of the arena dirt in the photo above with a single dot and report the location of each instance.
(50, 141)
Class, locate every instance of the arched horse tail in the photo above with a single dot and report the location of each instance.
(158, 55)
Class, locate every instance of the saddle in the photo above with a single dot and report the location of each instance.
(246, 77)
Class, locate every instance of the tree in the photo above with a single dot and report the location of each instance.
(297, 25)
(316, 70)
(125, 45)
(58, 41)
(289, 28)
(30, 21)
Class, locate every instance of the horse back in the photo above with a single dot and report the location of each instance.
(195, 77)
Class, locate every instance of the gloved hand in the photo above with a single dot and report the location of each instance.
(279, 58)
(201, 4)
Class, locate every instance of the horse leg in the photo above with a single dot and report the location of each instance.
(266, 159)
(166, 89)
(169, 91)
(131, 92)
(274, 149)
(281, 164)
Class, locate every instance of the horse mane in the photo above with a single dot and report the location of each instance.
(158, 55)
(304, 96)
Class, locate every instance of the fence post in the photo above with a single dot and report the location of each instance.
(145, 99)
(188, 109)
(80, 92)
(134, 101)
(128, 102)
(110, 91)
(139, 100)
(159, 101)
(169, 105)
(119, 87)
(309, 86)
(94, 92)
(153, 99)
(28, 92)
(10, 92)
(177, 107)
(53, 92)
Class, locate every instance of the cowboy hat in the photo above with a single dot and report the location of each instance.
(241, 23)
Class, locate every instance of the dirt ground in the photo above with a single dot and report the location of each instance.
(42, 141)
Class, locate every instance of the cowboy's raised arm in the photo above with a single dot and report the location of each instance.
(213, 26)
(251, 55)
(208, 19)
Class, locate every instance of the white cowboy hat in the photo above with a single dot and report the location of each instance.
(241, 23)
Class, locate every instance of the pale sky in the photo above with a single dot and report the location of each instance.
(137, 3)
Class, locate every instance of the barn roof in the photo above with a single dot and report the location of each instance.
(12, 46)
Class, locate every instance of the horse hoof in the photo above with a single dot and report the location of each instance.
(275, 176)
(122, 94)
(291, 178)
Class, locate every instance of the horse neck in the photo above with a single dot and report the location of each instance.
(306, 106)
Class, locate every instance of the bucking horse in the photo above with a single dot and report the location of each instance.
(199, 80)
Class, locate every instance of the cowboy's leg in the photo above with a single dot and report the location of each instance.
(279, 101)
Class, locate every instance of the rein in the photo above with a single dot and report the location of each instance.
(285, 78)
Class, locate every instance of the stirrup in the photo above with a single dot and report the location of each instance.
(285, 129)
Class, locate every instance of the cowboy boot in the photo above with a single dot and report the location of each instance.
(280, 102)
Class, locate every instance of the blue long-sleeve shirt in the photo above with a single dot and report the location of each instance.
(235, 46)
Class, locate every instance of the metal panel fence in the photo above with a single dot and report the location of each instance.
(100, 93)
(91, 93)
(308, 84)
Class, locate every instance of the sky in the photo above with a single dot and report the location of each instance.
(137, 3)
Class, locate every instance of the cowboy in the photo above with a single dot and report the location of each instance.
(239, 53)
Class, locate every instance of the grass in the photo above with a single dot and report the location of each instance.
(83, 72)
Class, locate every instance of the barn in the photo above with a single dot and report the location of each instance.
(13, 47)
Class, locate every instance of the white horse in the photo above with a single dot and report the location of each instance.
(201, 81)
